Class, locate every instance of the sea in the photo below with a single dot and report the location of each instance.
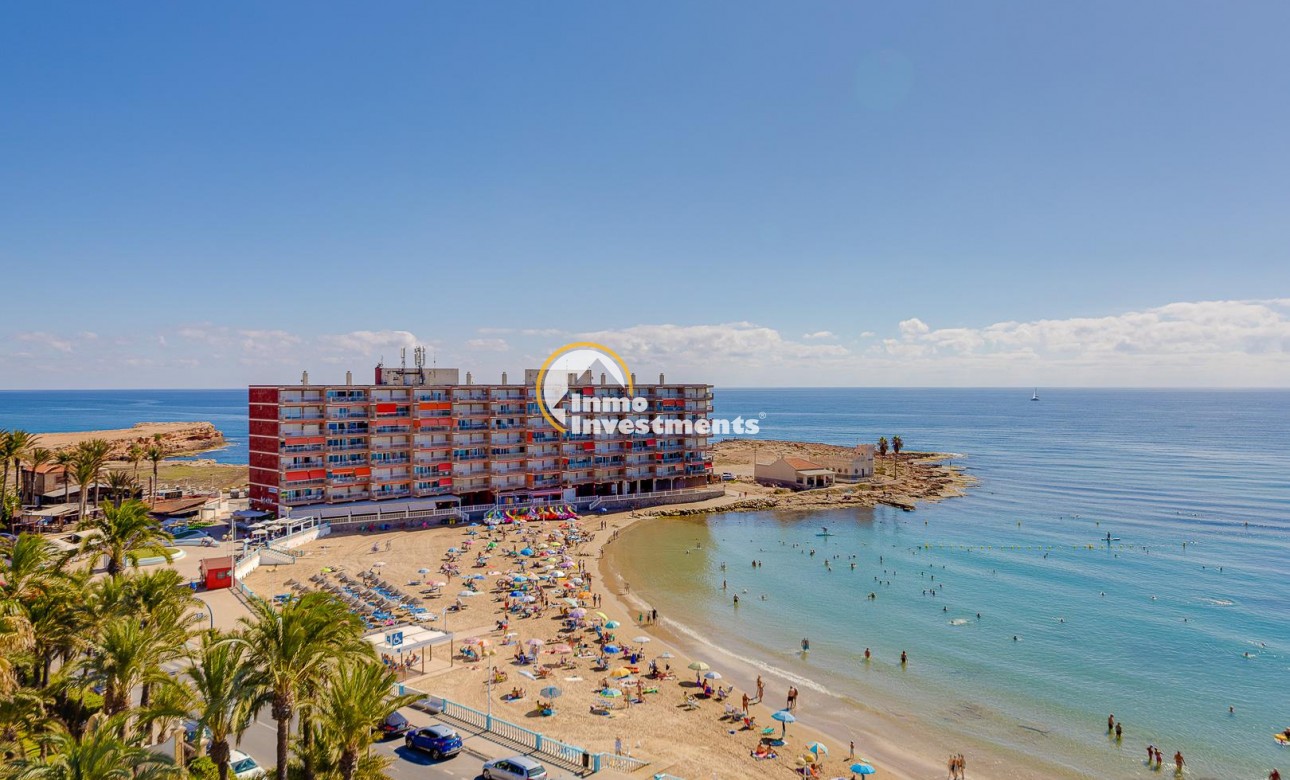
(1024, 627)
(62, 411)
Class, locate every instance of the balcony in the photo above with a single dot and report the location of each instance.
(303, 497)
(288, 449)
(347, 447)
(346, 397)
(347, 480)
(349, 495)
(302, 463)
(300, 397)
(287, 416)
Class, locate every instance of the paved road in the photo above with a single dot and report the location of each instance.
(260, 742)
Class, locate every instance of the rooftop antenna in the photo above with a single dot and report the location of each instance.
(419, 358)
(403, 358)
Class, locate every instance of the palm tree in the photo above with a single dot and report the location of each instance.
(39, 456)
(164, 606)
(295, 647)
(220, 679)
(120, 486)
(122, 661)
(19, 446)
(99, 754)
(352, 705)
(96, 451)
(67, 460)
(85, 470)
(155, 453)
(16, 636)
(13, 448)
(896, 446)
(125, 534)
(134, 455)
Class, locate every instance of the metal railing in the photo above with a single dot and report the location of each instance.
(535, 742)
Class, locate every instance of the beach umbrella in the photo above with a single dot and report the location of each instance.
(602, 616)
(862, 769)
(612, 649)
(378, 563)
(515, 594)
(699, 666)
(438, 584)
(818, 748)
(784, 717)
(577, 613)
(612, 624)
(712, 676)
(611, 693)
(519, 578)
(666, 654)
(465, 594)
(423, 571)
(526, 551)
(535, 642)
(550, 692)
(530, 599)
(621, 672)
(641, 640)
(453, 550)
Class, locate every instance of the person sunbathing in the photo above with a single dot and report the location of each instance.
(750, 722)
(764, 751)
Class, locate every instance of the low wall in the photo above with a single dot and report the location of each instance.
(536, 743)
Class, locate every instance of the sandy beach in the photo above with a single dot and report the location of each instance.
(711, 744)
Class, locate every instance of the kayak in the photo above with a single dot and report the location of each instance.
(1282, 739)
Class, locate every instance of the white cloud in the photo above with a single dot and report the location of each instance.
(488, 345)
(819, 334)
(735, 351)
(44, 339)
(369, 342)
(1202, 343)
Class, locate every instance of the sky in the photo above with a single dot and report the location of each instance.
(745, 193)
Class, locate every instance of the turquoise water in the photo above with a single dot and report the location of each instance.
(1154, 628)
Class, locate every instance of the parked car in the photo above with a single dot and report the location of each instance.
(726, 476)
(191, 729)
(438, 741)
(394, 725)
(514, 768)
(243, 767)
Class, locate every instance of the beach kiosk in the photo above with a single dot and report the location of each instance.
(216, 573)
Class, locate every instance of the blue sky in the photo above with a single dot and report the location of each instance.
(819, 193)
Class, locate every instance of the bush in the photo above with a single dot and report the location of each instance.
(203, 768)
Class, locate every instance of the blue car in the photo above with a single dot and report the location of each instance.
(437, 741)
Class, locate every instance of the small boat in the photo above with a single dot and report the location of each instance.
(1035, 396)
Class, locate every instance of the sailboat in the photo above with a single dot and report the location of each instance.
(1035, 395)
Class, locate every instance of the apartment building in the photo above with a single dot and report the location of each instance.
(422, 435)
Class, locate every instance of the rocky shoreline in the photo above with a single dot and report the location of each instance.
(902, 482)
